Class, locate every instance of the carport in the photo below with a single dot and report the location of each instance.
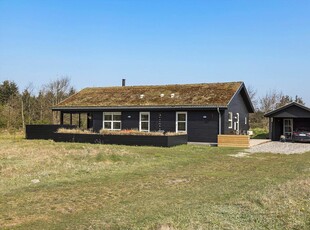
(284, 120)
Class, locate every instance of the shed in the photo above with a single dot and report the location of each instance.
(286, 119)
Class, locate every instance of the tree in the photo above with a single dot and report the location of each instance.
(55, 92)
(270, 101)
(59, 90)
(299, 100)
(252, 94)
(8, 89)
(29, 105)
(11, 113)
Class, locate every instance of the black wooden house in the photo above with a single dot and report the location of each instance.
(201, 110)
(284, 120)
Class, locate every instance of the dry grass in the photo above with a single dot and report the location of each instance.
(118, 132)
(138, 133)
(85, 186)
(77, 131)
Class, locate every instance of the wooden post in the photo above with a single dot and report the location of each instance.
(79, 120)
(23, 116)
(70, 118)
(61, 118)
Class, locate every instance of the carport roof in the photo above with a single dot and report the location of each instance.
(285, 109)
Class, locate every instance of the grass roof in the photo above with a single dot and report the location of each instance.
(211, 94)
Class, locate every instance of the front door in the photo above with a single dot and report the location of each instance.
(288, 128)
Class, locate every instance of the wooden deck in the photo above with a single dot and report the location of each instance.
(242, 141)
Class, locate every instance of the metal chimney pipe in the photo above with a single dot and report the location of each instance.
(123, 82)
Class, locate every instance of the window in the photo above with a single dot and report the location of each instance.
(230, 120)
(181, 122)
(144, 124)
(112, 120)
(237, 122)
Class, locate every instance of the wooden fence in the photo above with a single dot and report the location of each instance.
(242, 141)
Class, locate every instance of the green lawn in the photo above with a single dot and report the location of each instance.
(84, 186)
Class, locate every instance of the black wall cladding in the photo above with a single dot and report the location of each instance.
(44, 131)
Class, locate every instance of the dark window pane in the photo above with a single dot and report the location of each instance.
(107, 125)
(117, 117)
(116, 125)
(181, 126)
(108, 117)
(144, 117)
(144, 126)
(181, 117)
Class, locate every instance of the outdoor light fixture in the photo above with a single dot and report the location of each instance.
(204, 117)
(129, 116)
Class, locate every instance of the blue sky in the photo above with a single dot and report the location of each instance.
(265, 43)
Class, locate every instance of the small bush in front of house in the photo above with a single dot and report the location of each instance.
(138, 133)
(75, 131)
(259, 133)
(118, 132)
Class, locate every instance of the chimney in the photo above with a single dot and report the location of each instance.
(123, 82)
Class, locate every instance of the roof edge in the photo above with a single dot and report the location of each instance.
(286, 106)
(242, 86)
(95, 108)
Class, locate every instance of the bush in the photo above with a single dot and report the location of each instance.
(76, 131)
(138, 133)
(259, 133)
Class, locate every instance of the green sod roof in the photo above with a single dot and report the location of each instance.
(209, 94)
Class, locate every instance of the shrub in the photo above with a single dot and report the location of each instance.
(118, 132)
(138, 133)
(77, 131)
(259, 133)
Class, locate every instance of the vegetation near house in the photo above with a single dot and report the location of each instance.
(118, 132)
(138, 133)
(84, 186)
(76, 131)
(271, 100)
(190, 94)
(21, 107)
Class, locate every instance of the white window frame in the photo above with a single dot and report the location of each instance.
(230, 120)
(148, 121)
(177, 121)
(237, 122)
(112, 120)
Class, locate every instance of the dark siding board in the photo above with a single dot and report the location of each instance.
(225, 123)
(223, 115)
(270, 129)
(163, 120)
(237, 105)
(79, 138)
(44, 131)
(292, 112)
(97, 121)
(154, 121)
(277, 129)
(164, 141)
(130, 120)
(200, 129)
